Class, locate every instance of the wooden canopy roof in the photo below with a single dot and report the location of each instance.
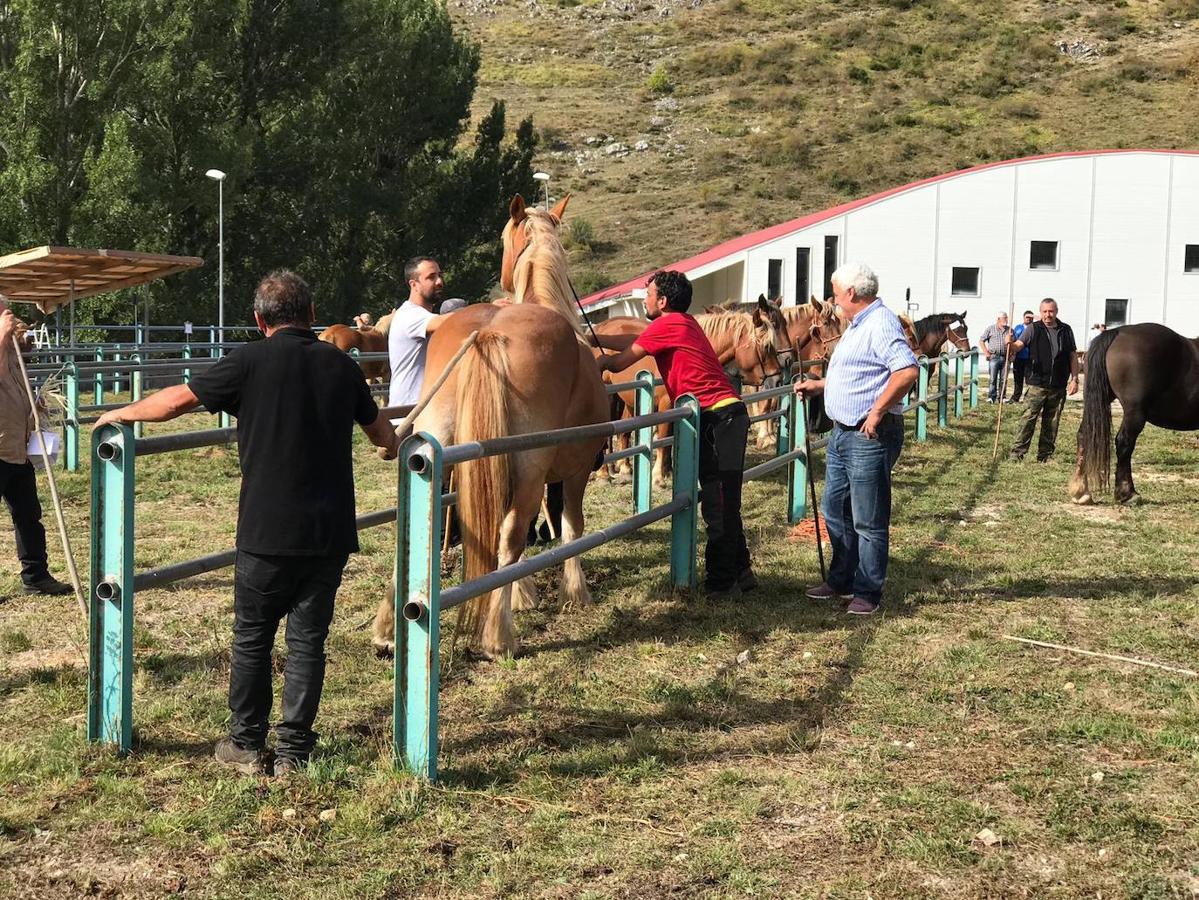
(52, 276)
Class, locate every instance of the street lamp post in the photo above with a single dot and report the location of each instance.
(544, 178)
(219, 177)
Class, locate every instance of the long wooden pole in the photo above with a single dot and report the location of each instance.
(49, 467)
(441, 379)
(1112, 656)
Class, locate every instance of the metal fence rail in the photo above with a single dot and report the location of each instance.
(419, 516)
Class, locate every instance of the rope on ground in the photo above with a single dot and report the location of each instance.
(1112, 656)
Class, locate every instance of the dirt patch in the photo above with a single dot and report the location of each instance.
(1095, 513)
(59, 658)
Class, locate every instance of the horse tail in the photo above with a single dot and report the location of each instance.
(1095, 432)
(484, 485)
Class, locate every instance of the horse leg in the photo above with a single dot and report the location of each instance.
(383, 632)
(1080, 489)
(661, 458)
(495, 633)
(1126, 442)
(624, 468)
(573, 589)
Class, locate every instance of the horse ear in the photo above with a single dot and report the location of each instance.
(761, 299)
(812, 300)
(516, 209)
(778, 302)
(758, 321)
(559, 209)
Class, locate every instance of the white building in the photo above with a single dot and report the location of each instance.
(1112, 235)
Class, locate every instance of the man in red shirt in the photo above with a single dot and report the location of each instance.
(689, 366)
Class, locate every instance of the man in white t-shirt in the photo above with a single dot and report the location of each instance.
(411, 326)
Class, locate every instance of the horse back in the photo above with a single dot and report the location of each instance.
(1155, 369)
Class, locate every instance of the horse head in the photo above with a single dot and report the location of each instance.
(517, 236)
(955, 332)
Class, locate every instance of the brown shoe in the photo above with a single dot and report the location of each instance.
(289, 765)
(248, 762)
(824, 591)
(860, 606)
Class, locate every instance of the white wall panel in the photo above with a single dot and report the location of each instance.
(1182, 288)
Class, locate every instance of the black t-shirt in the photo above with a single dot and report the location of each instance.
(296, 400)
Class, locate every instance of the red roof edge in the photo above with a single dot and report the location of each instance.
(753, 239)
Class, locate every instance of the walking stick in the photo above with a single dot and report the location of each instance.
(1007, 356)
(62, 524)
(807, 439)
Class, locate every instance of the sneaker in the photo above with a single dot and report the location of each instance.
(49, 585)
(289, 765)
(860, 606)
(747, 581)
(824, 591)
(246, 761)
(732, 592)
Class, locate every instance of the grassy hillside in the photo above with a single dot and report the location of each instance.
(755, 111)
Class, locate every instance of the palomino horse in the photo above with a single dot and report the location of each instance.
(1154, 373)
(749, 344)
(365, 340)
(527, 371)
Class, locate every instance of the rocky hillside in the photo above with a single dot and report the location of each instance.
(679, 123)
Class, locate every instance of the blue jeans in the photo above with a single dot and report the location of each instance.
(857, 506)
(995, 365)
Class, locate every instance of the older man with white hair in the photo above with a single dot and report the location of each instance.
(993, 342)
(869, 374)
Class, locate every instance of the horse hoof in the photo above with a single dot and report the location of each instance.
(384, 649)
(623, 478)
(1083, 500)
(1132, 500)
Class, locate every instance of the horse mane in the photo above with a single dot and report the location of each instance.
(935, 322)
(540, 275)
(737, 327)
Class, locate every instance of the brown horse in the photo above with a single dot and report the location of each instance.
(527, 371)
(748, 344)
(365, 340)
(1154, 373)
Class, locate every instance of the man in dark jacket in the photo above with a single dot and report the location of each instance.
(296, 400)
(1052, 374)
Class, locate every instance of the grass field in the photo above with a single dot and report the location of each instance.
(627, 752)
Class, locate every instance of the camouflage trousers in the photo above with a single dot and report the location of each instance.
(1045, 404)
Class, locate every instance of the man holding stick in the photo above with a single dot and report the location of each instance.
(296, 400)
(18, 484)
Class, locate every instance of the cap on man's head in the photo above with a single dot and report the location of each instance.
(451, 305)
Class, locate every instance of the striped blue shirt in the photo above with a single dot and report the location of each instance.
(871, 349)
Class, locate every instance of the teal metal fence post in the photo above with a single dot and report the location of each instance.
(418, 586)
(99, 395)
(117, 386)
(187, 354)
(943, 390)
(922, 401)
(782, 436)
(70, 455)
(643, 405)
(110, 651)
(958, 385)
(212, 347)
(135, 388)
(684, 524)
(974, 378)
(797, 471)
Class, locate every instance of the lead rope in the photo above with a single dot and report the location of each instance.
(595, 339)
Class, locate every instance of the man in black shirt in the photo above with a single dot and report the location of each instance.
(1052, 373)
(296, 400)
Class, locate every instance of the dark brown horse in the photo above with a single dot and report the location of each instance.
(1154, 373)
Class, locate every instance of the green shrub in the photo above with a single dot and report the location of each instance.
(579, 235)
(659, 82)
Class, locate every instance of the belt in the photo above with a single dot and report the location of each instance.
(858, 427)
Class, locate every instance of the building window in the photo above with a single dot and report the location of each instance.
(774, 279)
(1115, 313)
(964, 282)
(1043, 255)
(1191, 263)
(831, 255)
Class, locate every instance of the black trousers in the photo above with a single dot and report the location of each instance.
(1019, 370)
(19, 487)
(722, 434)
(265, 589)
